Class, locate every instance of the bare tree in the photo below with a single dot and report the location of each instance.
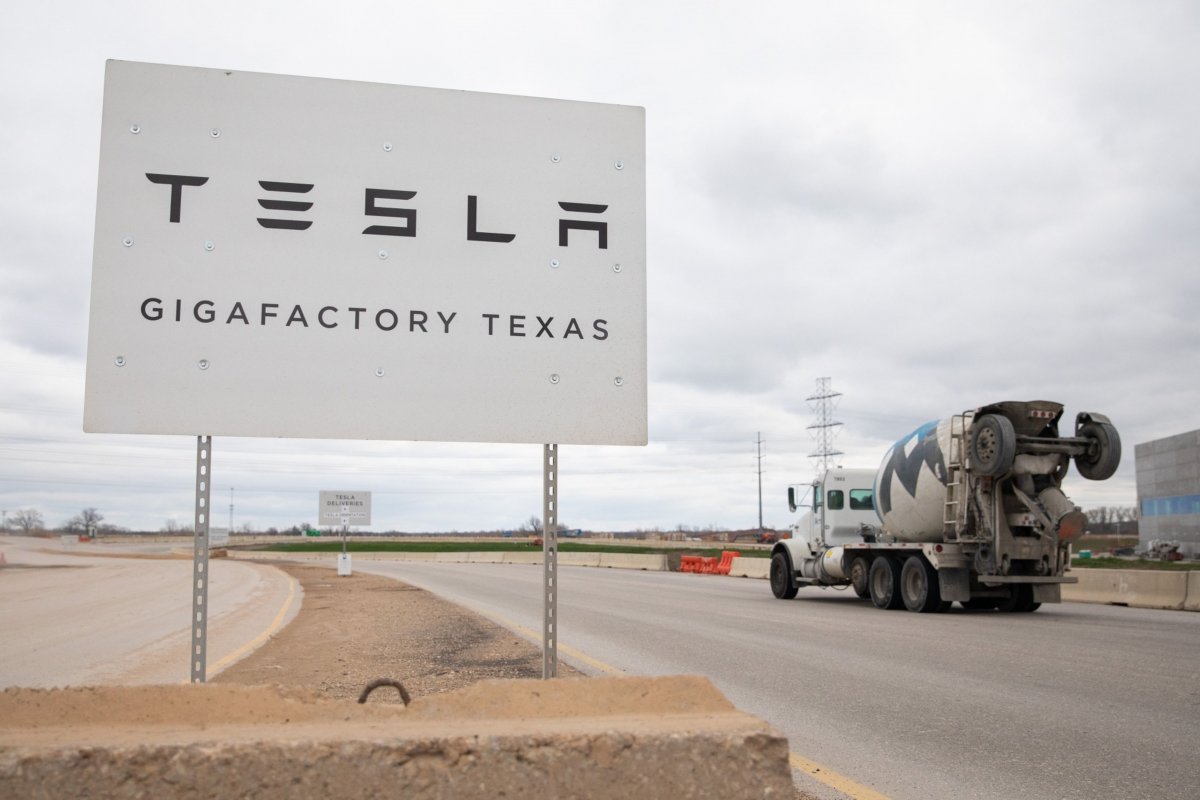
(85, 520)
(27, 520)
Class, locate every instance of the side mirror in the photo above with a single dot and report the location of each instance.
(792, 499)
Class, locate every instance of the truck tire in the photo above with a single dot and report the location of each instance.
(919, 586)
(860, 576)
(1103, 455)
(1021, 600)
(783, 584)
(993, 445)
(884, 580)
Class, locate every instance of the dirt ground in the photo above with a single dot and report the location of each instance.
(353, 630)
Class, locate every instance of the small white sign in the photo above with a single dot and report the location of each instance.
(218, 537)
(280, 256)
(344, 508)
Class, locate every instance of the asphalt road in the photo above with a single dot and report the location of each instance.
(1074, 701)
(70, 616)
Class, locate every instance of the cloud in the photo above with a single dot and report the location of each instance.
(937, 205)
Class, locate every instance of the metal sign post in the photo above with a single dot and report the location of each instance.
(200, 560)
(550, 560)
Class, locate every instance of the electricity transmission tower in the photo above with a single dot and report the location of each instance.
(825, 429)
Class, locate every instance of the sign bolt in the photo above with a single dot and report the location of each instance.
(127, 241)
(135, 128)
(120, 361)
(383, 255)
(203, 363)
(379, 372)
(215, 133)
(209, 246)
(620, 165)
(554, 378)
(554, 263)
(618, 381)
(556, 158)
(387, 147)
(616, 267)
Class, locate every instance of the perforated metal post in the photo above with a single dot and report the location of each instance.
(200, 560)
(550, 560)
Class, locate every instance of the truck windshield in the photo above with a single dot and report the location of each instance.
(862, 500)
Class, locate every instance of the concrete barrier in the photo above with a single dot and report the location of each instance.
(577, 559)
(595, 737)
(1192, 601)
(524, 558)
(1133, 587)
(750, 567)
(654, 563)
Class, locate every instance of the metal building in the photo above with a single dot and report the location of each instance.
(1168, 487)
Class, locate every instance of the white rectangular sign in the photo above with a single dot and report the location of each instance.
(344, 508)
(298, 257)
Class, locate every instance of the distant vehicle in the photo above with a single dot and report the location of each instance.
(965, 509)
(1164, 550)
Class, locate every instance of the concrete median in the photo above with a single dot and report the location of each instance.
(1192, 601)
(577, 559)
(596, 738)
(524, 558)
(652, 562)
(1136, 588)
(750, 567)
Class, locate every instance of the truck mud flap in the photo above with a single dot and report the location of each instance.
(1047, 593)
(954, 583)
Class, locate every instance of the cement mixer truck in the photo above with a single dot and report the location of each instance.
(967, 509)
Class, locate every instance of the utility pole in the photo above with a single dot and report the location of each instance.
(760, 444)
(231, 511)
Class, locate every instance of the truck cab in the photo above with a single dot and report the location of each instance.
(838, 506)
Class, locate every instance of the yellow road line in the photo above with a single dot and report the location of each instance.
(833, 780)
(275, 625)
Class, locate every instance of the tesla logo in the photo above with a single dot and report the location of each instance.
(290, 197)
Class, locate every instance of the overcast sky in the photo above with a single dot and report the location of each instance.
(938, 205)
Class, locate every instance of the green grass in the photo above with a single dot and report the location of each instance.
(334, 545)
(1108, 562)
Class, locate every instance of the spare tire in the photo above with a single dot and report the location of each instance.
(993, 445)
(1104, 451)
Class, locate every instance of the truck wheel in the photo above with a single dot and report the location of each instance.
(993, 445)
(860, 576)
(1020, 601)
(1104, 452)
(884, 580)
(919, 586)
(783, 585)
